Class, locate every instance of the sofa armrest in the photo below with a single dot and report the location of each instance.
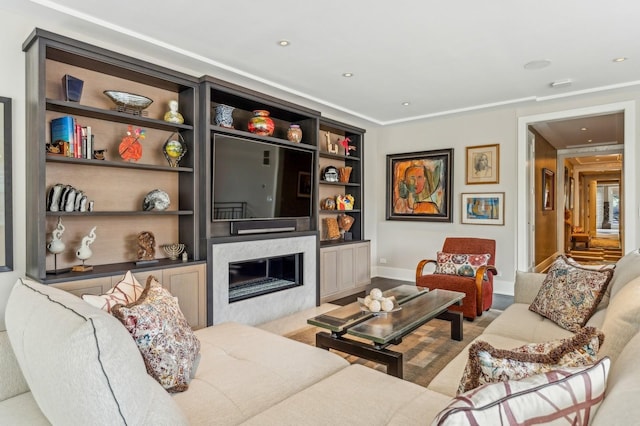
(527, 286)
(12, 381)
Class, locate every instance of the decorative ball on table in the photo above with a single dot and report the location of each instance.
(173, 116)
(130, 148)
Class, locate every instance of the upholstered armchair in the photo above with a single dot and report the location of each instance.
(465, 265)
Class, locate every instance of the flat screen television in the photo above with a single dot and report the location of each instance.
(259, 180)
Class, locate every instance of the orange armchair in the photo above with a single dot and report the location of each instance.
(478, 290)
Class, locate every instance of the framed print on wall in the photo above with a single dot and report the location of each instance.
(483, 164)
(548, 189)
(485, 208)
(419, 186)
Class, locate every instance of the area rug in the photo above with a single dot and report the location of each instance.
(605, 243)
(426, 351)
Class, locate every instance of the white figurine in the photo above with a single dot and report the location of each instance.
(84, 252)
(56, 245)
(173, 116)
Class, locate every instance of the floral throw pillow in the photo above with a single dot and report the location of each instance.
(487, 364)
(570, 294)
(564, 396)
(128, 290)
(464, 265)
(168, 345)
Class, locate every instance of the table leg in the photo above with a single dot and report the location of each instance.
(391, 359)
(456, 323)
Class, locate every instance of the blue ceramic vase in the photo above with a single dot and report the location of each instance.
(224, 116)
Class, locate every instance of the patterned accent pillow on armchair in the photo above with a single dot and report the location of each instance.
(464, 265)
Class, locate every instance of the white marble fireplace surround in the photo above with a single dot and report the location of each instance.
(270, 306)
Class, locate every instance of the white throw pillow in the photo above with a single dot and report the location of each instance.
(128, 290)
(81, 364)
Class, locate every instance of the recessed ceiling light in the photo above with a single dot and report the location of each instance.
(284, 43)
(347, 74)
(406, 103)
(561, 83)
(589, 140)
(584, 129)
(620, 59)
(537, 64)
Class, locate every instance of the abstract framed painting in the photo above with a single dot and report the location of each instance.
(486, 208)
(483, 164)
(419, 186)
(548, 189)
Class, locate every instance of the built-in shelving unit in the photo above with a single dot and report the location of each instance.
(116, 187)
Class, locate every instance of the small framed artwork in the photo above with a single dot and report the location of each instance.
(304, 184)
(419, 186)
(485, 208)
(483, 164)
(548, 189)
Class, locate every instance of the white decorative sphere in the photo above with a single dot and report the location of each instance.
(376, 294)
(386, 305)
(374, 306)
(367, 301)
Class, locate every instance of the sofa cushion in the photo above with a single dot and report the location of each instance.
(622, 319)
(464, 265)
(570, 294)
(13, 382)
(518, 322)
(21, 410)
(165, 339)
(621, 407)
(487, 364)
(245, 370)
(356, 395)
(627, 268)
(126, 291)
(80, 363)
(566, 396)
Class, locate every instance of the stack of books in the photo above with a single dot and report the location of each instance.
(70, 139)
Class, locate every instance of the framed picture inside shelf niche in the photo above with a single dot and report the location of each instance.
(419, 186)
(483, 164)
(548, 189)
(485, 208)
(304, 184)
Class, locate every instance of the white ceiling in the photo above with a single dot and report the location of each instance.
(442, 57)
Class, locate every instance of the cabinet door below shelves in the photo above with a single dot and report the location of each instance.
(345, 270)
(188, 284)
(329, 271)
(90, 286)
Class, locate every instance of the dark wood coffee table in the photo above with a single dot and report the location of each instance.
(418, 306)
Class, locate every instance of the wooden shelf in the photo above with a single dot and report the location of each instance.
(74, 108)
(324, 182)
(339, 211)
(267, 139)
(121, 164)
(338, 156)
(124, 213)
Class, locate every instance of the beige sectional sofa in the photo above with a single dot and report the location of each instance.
(65, 362)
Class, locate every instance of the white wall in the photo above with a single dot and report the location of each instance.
(402, 244)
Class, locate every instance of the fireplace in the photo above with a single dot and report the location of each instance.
(252, 278)
(252, 282)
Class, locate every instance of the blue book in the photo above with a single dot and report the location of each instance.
(63, 133)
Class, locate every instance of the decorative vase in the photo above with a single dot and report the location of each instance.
(294, 134)
(224, 116)
(345, 173)
(72, 87)
(261, 124)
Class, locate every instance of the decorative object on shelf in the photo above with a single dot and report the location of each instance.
(345, 173)
(261, 124)
(72, 87)
(345, 144)
(331, 228)
(294, 134)
(98, 154)
(173, 250)
(328, 204)
(84, 252)
(146, 248)
(56, 148)
(483, 164)
(332, 148)
(345, 222)
(66, 198)
(185, 256)
(57, 246)
(482, 208)
(130, 148)
(173, 116)
(330, 174)
(129, 102)
(174, 149)
(156, 200)
(344, 202)
(224, 116)
(419, 186)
